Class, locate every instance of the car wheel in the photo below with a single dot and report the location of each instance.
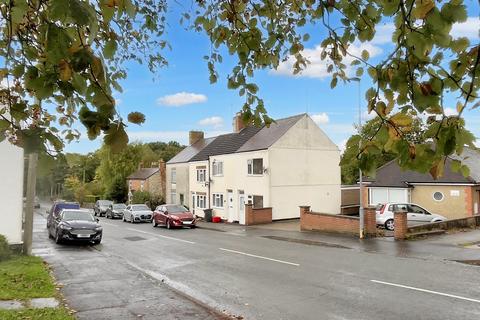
(50, 234)
(123, 219)
(97, 241)
(193, 227)
(132, 219)
(58, 240)
(154, 224)
(169, 224)
(389, 224)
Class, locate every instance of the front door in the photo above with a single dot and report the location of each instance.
(194, 203)
(231, 210)
(241, 208)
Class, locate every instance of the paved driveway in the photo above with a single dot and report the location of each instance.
(259, 274)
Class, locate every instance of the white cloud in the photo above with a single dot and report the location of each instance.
(469, 29)
(320, 118)
(118, 101)
(317, 68)
(342, 145)
(450, 112)
(216, 122)
(383, 34)
(181, 99)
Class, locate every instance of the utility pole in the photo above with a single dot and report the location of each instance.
(31, 185)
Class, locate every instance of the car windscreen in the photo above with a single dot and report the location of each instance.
(61, 206)
(379, 207)
(119, 206)
(140, 208)
(104, 202)
(77, 215)
(176, 209)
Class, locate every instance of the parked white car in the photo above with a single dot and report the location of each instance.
(415, 214)
(137, 213)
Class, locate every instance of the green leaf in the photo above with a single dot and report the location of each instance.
(116, 138)
(365, 55)
(109, 49)
(80, 12)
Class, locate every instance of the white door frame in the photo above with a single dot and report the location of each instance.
(232, 216)
(241, 208)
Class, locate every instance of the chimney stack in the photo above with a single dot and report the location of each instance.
(238, 123)
(194, 136)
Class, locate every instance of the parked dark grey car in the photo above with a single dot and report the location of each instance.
(75, 225)
(115, 211)
(101, 206)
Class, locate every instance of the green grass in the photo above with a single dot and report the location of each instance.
(25, 277)
(36, 314)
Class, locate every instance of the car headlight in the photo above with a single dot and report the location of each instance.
(98, 228)
(65, 227)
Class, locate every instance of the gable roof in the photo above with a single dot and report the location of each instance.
(267, 136)
(227, 143)
(143, 174)
(189, 152)
(391, 175)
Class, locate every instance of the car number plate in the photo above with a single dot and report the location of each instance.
(187, 222)
(83, 236)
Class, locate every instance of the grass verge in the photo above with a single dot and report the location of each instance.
(36, 314)
(25, 277)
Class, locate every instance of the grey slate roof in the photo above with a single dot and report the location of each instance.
(268, 136)
(189, 152)
(226, 144)
(390, 175)
(248, 139)
(143, 174)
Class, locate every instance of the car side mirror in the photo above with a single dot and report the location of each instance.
(98, 220)
(166, 212)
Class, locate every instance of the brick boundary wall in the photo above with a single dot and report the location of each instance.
(257, 216)
(400, 220)
(337, 223)
(469, 222)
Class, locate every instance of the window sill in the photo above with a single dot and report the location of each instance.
(254, 175)
(219, 208)
(217, 175)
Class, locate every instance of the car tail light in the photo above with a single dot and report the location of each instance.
(383, 208)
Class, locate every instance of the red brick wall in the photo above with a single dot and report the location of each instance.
(370, 221)
(400, 219)
(257, 216)
(313, 221)
(469, 201)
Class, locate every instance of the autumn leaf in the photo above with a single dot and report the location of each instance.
(136, 117)
(422, 8)
(64, 70)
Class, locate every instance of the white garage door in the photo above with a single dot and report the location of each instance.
(383, 195)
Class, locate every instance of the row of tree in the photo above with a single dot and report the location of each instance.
(98, 174)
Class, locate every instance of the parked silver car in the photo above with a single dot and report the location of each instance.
(115, 211)
(137, 213)
(415, 214)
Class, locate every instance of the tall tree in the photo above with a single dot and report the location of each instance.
(70, 53)
(351, 159)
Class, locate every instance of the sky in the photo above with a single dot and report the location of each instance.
(180, 98)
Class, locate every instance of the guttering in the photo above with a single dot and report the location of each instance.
(442, 184)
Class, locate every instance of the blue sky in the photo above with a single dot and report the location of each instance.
(180, 98)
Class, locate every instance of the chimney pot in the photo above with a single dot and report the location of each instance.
(238, 123)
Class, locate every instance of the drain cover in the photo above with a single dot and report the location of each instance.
(134, 238)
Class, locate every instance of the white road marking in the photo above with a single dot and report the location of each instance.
(109, 224)
(426, 291)
(158, 235)
(260, 257)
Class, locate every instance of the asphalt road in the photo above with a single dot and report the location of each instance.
(246, 274)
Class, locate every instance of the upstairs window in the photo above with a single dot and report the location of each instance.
(201, 173)
(255, 166)
(217, 168)
(173, 175)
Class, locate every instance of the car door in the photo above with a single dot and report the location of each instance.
(57, 217)
(418, 214)
(162, 215)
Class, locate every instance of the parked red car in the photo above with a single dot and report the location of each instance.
(173, 215)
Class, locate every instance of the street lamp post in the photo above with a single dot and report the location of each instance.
(360, 174)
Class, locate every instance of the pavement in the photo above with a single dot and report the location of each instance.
(262, 273)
